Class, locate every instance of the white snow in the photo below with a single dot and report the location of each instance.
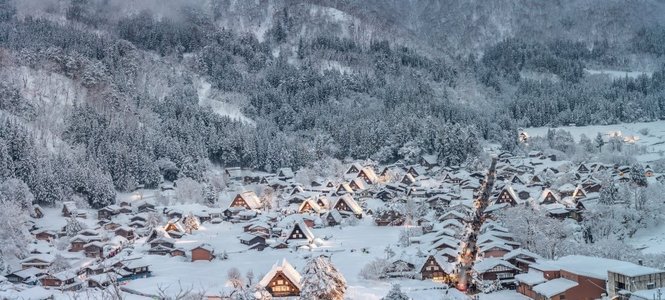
(554, 287)
(653, 142)
(212, 98)
(617, 74)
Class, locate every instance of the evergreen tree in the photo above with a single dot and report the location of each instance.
(73, 226)
(321, 280)
(609, 191)
(396, 294)
(637, 175)
(599, 142)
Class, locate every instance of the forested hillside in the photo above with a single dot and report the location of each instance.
(104, 96)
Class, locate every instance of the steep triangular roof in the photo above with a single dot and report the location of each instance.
(284, 268)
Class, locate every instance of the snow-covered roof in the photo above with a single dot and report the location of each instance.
(530, 278)
(547, 192)
(500, 245)
(47, 258)
(633, 270)
(285, 268)
(520, 252)
(251, 199)
(351, 203)
(29, 272)
(554, 287)
(597, 267)
(489, 263)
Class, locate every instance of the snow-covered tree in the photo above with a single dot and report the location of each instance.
(234, 277)
(17, 191)
(374, 269)
(609, 190)
(188, 191)
(321, 280)
(14, 235)
(73, 226)
(637, 175)
(191, 223)
(59, 264)
(396, 293)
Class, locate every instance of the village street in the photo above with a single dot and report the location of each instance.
(468, 253)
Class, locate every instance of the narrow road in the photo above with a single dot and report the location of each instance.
(468, 253)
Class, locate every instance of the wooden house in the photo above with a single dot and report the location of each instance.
(332, 218)
(309, 206)
(145, 206)
(68, 208)
(343, 189)
(45, 235)
(285, 173)
(105, 213)
(282, 281)
(389, 218)
(247, 200)
(203, 252)
(300, 232)
(134, 269)
(521, 258)
(429, 161)
(65, 281)
(408, 179)
(507, 195)
(125, 232)
(354, 168)
(368, 175)
(548, 197)
(94, 249)
(37, 212)
(250, 239)
(29, 275)
(39, 261)
(346, 204)
(492, 269)
(357, 184)
(435, 269)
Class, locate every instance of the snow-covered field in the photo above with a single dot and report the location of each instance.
(208, 97)
(615, 74)
(344, 245)
(653, 141)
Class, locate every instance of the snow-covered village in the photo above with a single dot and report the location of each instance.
(332, 150)
(510, 226)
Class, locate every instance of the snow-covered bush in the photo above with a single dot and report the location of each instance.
(375, 269)
(396, 293)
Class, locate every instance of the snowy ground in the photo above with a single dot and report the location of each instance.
(650, 240)
(615, 74)
(654, 141)
(344, 245)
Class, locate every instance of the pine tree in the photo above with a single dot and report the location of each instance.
(609, 191)
(637, 175)
(599, 142)
(73, 227)
(321, 280)
(396, 293)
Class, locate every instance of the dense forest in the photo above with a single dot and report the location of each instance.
(138, 115)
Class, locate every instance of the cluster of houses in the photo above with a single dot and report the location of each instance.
(93, 259)
(447, 194)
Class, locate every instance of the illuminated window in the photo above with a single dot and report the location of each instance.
(281, 288)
